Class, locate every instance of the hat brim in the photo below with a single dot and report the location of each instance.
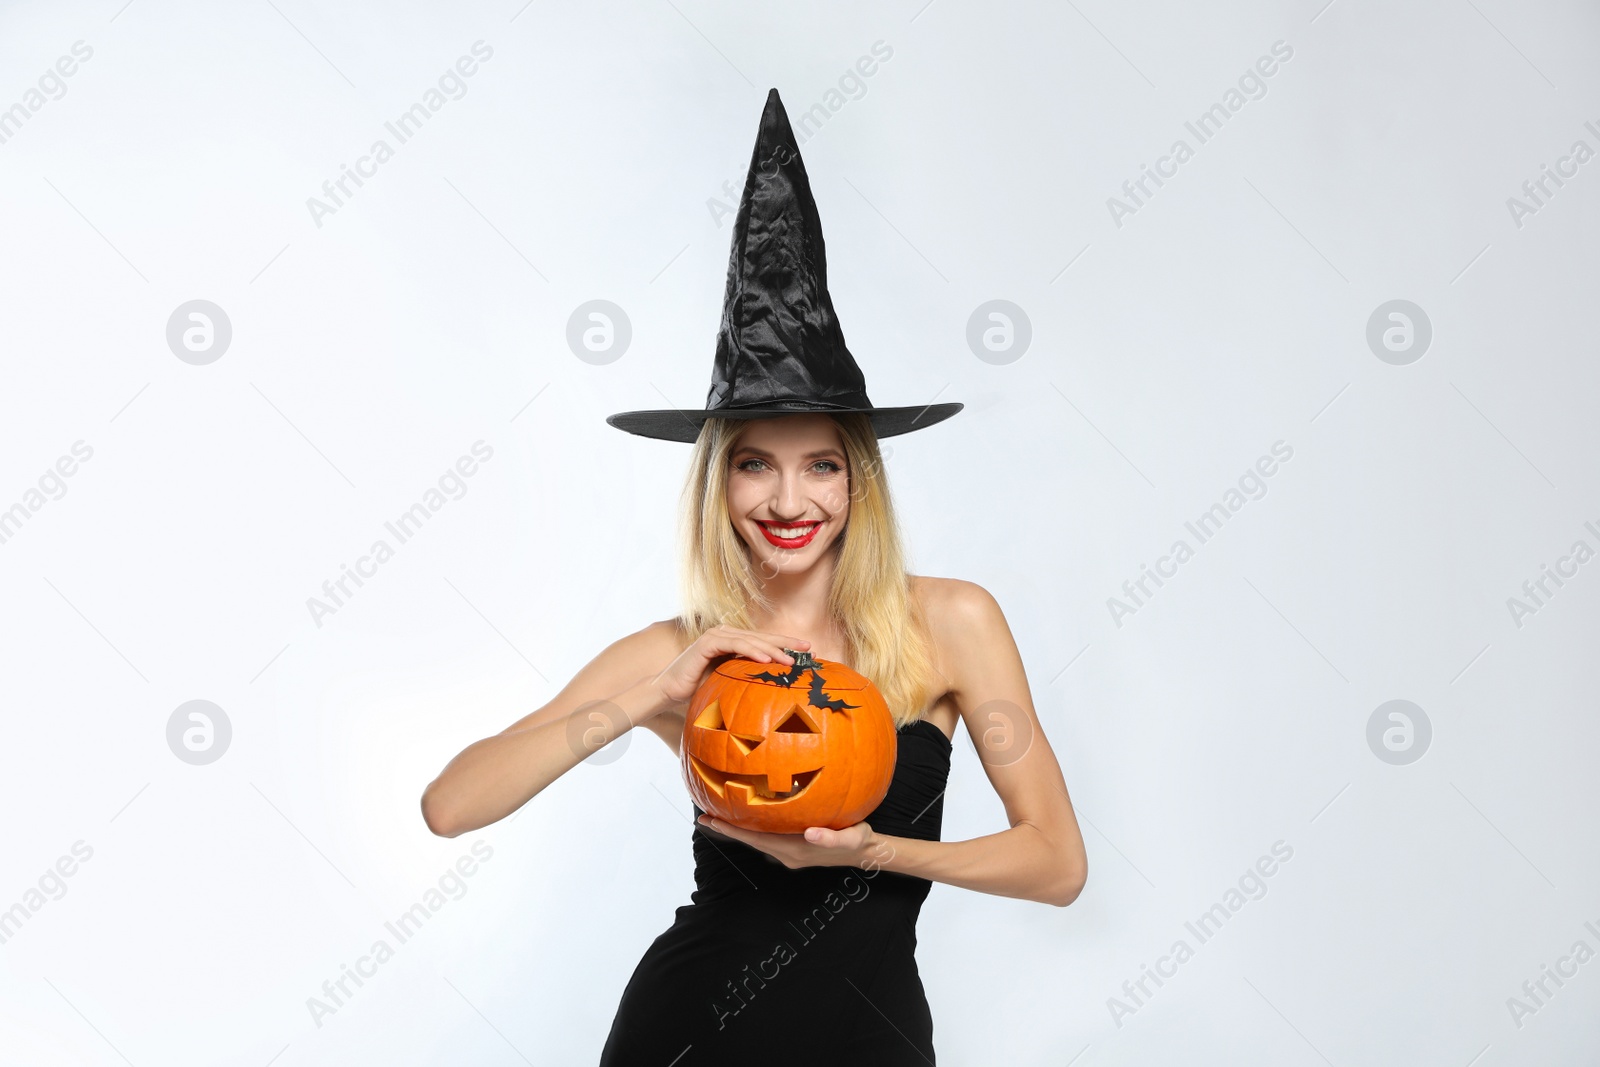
(675, 424)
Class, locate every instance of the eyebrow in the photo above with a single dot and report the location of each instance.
(769, 455)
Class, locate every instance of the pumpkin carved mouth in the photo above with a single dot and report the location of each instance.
(753, 789)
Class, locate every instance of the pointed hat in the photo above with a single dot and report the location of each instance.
(780, 350)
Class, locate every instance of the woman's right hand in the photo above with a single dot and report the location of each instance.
(682, 676)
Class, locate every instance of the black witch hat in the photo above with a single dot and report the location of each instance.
(780, 350)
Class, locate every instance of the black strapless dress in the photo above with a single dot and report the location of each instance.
(774, 966)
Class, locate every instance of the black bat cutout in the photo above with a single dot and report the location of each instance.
(802, 663)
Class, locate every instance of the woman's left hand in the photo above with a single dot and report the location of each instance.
(854, 846)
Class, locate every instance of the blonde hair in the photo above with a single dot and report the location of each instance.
(870, 598)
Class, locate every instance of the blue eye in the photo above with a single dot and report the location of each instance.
(828, 466)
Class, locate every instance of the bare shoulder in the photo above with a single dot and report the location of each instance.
(625, 661)
(965, 624)
(644, 652)
(966, 628)
(954, 604)
(648, 649)
(629, 659)
(668, 636)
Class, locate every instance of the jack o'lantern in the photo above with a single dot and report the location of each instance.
(780, 750)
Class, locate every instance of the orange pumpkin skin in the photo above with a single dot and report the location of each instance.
(780, 749)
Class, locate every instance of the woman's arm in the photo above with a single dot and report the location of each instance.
(1012, 863)
(1041, 855)
(494, 777)
(643, 678)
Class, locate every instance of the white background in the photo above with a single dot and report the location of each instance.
(1168, 354)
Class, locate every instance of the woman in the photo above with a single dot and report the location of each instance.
(799, 947)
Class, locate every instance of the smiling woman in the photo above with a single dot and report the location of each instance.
(793, 556)
(832, 570)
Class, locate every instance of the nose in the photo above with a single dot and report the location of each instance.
(789, 502)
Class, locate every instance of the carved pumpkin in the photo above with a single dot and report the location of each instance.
(778, 750)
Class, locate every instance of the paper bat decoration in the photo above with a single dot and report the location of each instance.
(804, 662)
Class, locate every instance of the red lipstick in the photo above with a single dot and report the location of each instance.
(789, 542)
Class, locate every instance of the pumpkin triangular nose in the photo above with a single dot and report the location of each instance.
(746, 744)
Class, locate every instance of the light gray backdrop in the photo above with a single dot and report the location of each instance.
(1342, 351)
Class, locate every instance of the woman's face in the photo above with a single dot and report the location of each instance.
(789, 490)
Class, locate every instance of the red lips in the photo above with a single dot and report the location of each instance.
(789, 542)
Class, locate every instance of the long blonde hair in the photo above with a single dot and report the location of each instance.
(870, 598)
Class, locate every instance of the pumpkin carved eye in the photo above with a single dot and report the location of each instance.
(795, 723)
(711, 717)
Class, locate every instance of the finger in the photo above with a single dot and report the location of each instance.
(776, 642)
(781, 640)
(749, 649)
(763, 651)
(773, 652)
(773, 648)
(797, 643)
(717, 826)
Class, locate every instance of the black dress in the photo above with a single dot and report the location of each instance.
(775, 966)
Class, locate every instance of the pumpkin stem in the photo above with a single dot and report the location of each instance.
(802, 661)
